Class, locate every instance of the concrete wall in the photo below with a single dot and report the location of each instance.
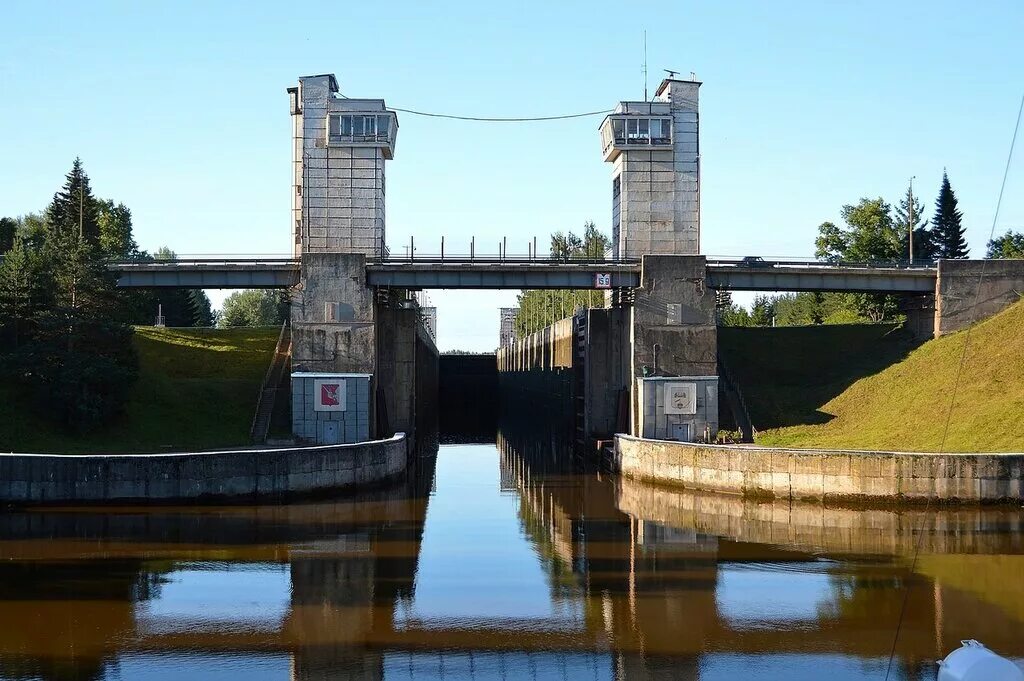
(396, 369)
(271, 473)
(535, 373)
(347, 343)
(468, 393)
(811, 473)
(673, 331)
(406, 371)
(993, 284)
(606, 372)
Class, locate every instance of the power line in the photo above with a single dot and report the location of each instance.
(525, 119)
(956, 380)
(485, 119)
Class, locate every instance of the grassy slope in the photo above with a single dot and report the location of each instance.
(787, 373)
(904, 406)
(197, 388)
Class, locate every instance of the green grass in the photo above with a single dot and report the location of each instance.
(197, 388)
(902, 404)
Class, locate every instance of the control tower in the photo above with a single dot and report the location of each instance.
(339, 148)
(655, 151)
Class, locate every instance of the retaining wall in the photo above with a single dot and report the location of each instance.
(272, 473)
(820, 473)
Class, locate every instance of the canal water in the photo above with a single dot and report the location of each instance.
(498, 563)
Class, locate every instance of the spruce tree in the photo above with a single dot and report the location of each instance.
(8, 228)
(947, 227)
(71, 351)
(74, 208)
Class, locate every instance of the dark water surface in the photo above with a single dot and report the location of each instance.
(502, 566)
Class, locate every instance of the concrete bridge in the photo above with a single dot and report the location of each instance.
(530, 273)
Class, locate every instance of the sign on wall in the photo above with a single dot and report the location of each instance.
(680, 398)
(329, 394)
(602, 280)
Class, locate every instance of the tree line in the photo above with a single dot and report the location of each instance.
(537, 308)
(872, 231)
(65, 327)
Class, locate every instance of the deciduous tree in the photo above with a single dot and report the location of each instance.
(254, 307)
(1009, 245)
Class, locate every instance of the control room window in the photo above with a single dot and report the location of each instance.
(618, 129)
(360, 127)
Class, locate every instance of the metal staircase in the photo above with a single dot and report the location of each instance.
(268, 391)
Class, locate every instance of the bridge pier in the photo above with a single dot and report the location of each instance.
(672, 333)
(968, 291)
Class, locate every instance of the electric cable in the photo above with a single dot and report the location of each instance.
(483, 119)
(499, 119)
(956, 381)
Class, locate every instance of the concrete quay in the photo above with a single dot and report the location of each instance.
(243, 474)
(795, 474)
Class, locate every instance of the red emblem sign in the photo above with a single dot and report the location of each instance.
(329, 394)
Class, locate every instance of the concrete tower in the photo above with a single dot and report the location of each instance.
(656, 173)
(339, 147)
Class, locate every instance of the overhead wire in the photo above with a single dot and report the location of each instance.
(516, 119)
(956, 380)
(494, 119)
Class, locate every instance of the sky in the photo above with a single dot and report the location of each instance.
(179, 111)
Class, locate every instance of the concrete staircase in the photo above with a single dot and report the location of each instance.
(737, 405)
(268, 391)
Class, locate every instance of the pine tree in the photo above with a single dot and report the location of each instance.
(74, 208)
(947, 227)
(72, 353)
(910, 211)
(202, 311)
(8, 228)
(24, 291)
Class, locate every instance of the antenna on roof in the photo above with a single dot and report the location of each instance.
(645, 65)
(671, 74)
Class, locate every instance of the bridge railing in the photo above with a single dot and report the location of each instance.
(753, 262)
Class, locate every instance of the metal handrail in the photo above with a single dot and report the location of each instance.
(272, 378)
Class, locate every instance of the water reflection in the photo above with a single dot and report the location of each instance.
(503, 563)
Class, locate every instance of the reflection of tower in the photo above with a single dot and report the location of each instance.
(345, 588)
(333, 610)
(648, 587)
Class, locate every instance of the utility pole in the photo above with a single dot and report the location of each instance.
(910, 215)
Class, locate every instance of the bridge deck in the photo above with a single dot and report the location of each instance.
(527, 274)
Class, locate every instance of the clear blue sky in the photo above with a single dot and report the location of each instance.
(179, 110)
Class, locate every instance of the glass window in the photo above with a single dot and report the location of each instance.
(656, 128)
(383, 125)
(618, 127)
(346, 125)
(357, 126)
(645, 127)
(333, 122)
(369, 125)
